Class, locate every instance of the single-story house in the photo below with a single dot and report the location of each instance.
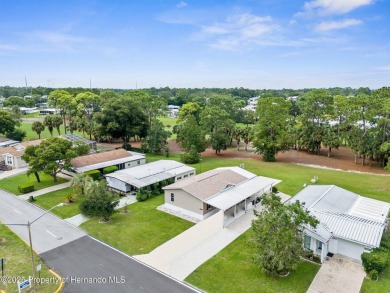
(6, 142)
(26, 110)
(141, 176)
(120, 158)
(349, 224)
(231, 189)
(50, 111)
(11, 157)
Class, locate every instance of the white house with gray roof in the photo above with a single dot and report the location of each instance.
(230, 189)
(350, 224)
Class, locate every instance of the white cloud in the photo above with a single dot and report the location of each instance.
(336, 25)
(334, 6)
(181, 4)
(240, 31)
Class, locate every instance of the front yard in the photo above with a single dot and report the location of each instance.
(141, 230)
(11, 184)
(18, 263)
(51, 199)
(233, 270)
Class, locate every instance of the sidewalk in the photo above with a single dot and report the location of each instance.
(45, 190)
(13, 172)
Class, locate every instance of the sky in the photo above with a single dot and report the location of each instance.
(257, 44)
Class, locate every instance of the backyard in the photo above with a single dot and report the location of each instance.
(18, 263)
(11, 184)
(141, 230)
(233, 270)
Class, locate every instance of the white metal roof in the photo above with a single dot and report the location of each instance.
(109, 163)
(235, 194)
(150, 173)
(238, 170)
(321, 232)
(370, 209)
(352, 228)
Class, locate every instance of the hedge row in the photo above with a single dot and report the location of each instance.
(26, 188)
(110, 169)
(95, 174)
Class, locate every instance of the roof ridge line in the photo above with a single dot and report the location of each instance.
(321, 197)
(230, 187)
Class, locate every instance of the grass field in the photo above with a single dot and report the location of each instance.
(380, 286)
(52, 199)
(233, 270)
(140, 231)
(11, 184)
(293, 176)
(18, 263)
(31, 135)
(169, 123)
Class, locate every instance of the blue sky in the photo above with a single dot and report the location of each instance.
(251, 44)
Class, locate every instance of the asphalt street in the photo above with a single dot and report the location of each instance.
(85, 264)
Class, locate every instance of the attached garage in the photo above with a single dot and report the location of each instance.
(350, 249)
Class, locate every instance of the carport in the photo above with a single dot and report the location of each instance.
(235, 201)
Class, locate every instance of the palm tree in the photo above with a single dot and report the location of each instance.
(80, 183)
(38, 127)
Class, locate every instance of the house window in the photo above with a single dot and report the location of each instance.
(8, 160)
(208, 207)
(138, 162)
(128, 165)
(192, 173)
(185, 176)
(307, 241)
(178, 178)
(172, 197)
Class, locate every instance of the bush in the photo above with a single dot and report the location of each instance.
(274, 189)
(26, 188)
(192, 157)
(376, 260)
(31, 199)
(110, 169)
(95, 174)
(373, 275)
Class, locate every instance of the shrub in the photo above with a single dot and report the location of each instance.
(26, 188)
(373, 275)
(95, 174)
(110, 169)
(274, 189)
(141, 195)
(376, 260)
(192, 157)
(31, 199)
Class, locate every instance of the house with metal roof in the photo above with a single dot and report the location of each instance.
(141, 176)
(120, 158)
(350, 224)
(230, 189)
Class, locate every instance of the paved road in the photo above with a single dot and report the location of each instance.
(72, 253)
(47, 233)
(88, 258)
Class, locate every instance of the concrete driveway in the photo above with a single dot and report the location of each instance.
(338, 274)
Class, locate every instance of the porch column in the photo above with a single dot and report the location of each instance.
(245, 205)
(235, 210)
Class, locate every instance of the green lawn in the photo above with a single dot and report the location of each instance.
(11, 184)
(140, 231)
(18, 262)
(293, 176)
(233, 270)
(169, 122)
(31, 135)
(52, 199)
(380, 286)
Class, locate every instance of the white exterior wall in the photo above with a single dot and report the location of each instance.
(185, 175)
(117, 184)
(135, 163)
(19, 162)
(184, 201)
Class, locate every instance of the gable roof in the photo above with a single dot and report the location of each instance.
(96, 158)
(356, 229)
(207, 184)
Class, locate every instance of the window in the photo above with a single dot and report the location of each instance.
(128, 165)
(208, 207)
(192, 173)
(307, 241)
(185, 176)
(318, 246)
(172, 197)
(138, 162)
(178, 178)
(8, 160)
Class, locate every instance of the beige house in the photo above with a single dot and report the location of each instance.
(232, 190)
(120, 158)
(11, 157)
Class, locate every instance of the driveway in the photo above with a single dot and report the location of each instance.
(180, 256)
(339, 274)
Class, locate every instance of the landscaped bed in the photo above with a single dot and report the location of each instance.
(141, 230)
(233, 270)
(11, 184)
(18, 263)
